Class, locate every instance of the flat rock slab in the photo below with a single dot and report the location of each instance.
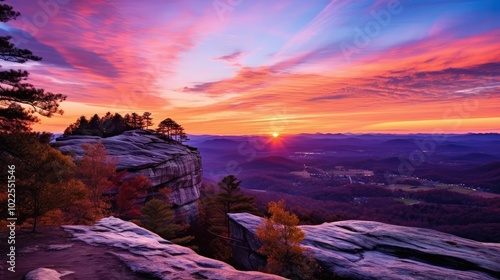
(149, 255)
(373, 250)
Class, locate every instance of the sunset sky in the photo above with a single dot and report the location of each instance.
(257, 67)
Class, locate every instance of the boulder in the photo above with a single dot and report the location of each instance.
(148, 255)
(373, 250)
(166, 163)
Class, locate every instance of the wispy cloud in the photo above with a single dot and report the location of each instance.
(230, 57)
(280, 60)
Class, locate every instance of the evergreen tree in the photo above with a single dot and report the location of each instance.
(182, 136)
(106, 127)
(14, 93)
(158, 217)
(229, 199)
(169, 129)
(136, 121)
(118, 125)
(166, 127)
(129, 123)
(148, 120)
(94, 124)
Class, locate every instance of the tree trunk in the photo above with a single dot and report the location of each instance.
(35, 215)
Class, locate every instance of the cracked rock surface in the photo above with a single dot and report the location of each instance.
(167, 164)
(373, 250)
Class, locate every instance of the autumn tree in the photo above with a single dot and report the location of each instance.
(19, 101)
(44, 177)
(96, 170)
(281, 237)
(158, 217)
(129, 191)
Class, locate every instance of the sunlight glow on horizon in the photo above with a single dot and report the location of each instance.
(286, 65)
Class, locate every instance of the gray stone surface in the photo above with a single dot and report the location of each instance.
(147, 253)
(46, 274)
(167, 164)
(373, 250)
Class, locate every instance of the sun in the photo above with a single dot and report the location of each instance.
(275, 134)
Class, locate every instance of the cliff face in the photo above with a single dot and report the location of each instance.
(166, 164)
(372, 250)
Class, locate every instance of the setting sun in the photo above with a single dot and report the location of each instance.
(275, 134)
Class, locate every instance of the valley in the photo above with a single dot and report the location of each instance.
(451, 185)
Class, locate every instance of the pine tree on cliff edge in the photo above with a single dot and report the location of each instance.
(19, 100)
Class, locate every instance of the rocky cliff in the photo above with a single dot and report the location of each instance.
(116, 249)
(372, 250)
(167, 164)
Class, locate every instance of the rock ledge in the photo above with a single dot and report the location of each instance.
(373, 250)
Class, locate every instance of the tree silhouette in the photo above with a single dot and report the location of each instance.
(20, 100)
(148, 120)
(166, 127)
(107, 125)
(136, 121)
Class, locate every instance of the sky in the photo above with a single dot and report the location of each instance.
(243, 67)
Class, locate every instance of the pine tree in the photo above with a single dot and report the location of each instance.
(94, 125)
(229, 199)
(136, 121)
(128, 121)
(167, 127)
(158, 217)
(119, 125)
(14, 93)
(281, 237)
(148, 120)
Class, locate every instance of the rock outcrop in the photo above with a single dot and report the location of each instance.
(150, 256)
(166, 164)
(373, 250)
